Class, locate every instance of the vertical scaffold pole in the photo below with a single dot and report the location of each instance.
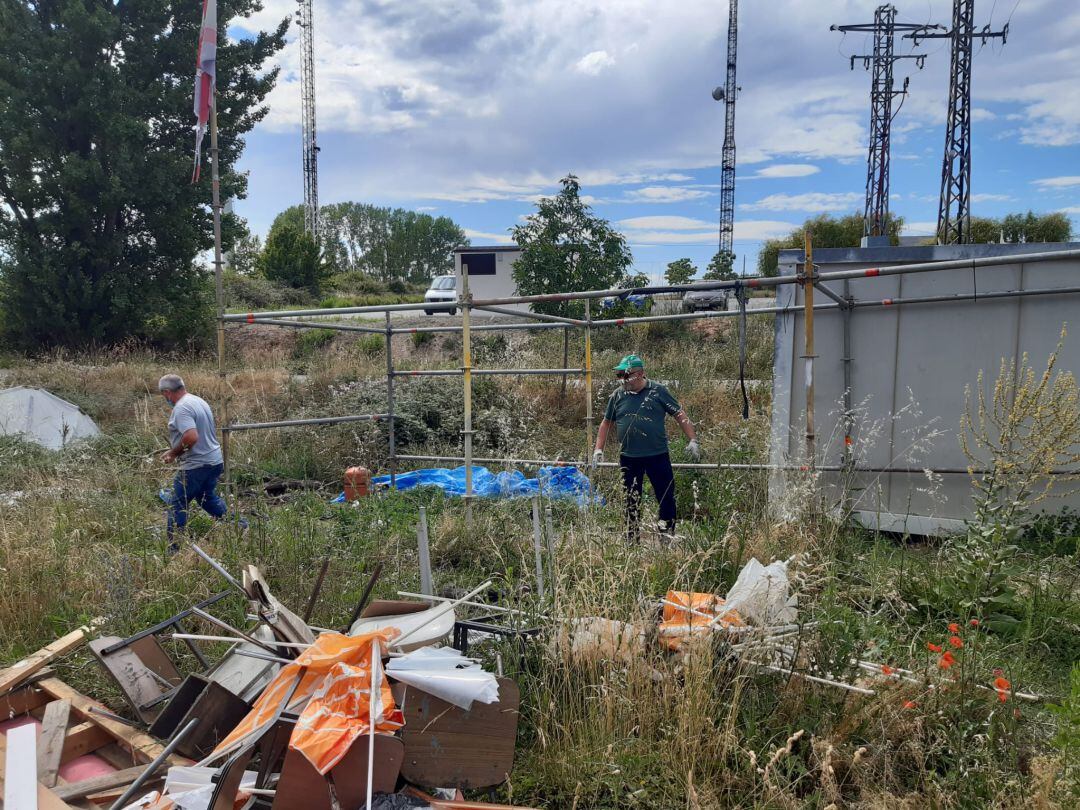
(219, 292)
(808, 330)
(390, 402)
(588, 380)
(849, 414)
(466, 368)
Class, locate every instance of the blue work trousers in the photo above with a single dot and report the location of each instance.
(200, 485)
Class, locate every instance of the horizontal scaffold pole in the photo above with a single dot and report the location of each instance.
(338, 327)
(322, 420)
(508, 372)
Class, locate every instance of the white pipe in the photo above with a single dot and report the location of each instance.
(375, 661)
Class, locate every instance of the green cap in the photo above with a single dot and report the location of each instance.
(630, 362)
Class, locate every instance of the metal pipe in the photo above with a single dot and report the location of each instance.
(489, 327)
(165, 625)
(337, 327)
(390, 434)
(490, 372)
(935, 299)
(808, 333)
(317, 589)
(588, 381)
(846, 360)
(842, 302)
(537, 545)
(537, 316)
(364, 597)
(322, 420)
(239, 633)
(178, 738)
(221, 570)
(251, 317)
(424, 553)
(466, 368)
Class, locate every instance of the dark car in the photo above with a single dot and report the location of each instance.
(705, 299)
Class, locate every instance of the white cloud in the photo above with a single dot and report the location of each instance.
(754, 230)
(671, 237)
(667, 223)
(426, 208)
(1065, 181)
(665, 194)
(1072, 210)
(990, 198)
(592, 64)
(786, 170)
(813, 201)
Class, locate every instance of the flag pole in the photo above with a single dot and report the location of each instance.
(219, 289)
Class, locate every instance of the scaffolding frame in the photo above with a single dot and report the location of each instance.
(806, 277)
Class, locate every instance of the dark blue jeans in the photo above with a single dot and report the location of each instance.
(658, 470)
(200, 485)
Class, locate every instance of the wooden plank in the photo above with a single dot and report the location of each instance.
(51, 745)
(152, 654)
(303, 786)
(83, 738)
(20, 768)
(446, 746)
(46, 799)
(142, 745)
(22, 701)
(80, 790)
(137, 683)
(20, 671)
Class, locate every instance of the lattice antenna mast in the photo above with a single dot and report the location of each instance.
(882, 91)
(727, 94)
(305, 19)
(954, 206)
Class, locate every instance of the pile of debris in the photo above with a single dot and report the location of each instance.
(377, 715)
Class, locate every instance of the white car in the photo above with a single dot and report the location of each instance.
(443, 289)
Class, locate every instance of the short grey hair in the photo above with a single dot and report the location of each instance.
(170, 382)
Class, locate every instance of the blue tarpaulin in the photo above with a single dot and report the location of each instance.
(551, 482)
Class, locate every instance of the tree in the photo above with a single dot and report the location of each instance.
(565, 247)
(389, 244)
(292, 258)
(680, 271)
(243, 257)
(1029, 227)
(721, 267)
(100, 225)
(828, 232)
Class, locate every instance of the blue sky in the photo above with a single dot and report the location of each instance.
(474, 108)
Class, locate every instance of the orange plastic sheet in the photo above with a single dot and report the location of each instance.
(307, 674)
(681, 623)
(340, 711)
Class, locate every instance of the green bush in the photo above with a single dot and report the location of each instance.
(256, 292)
(311, 341)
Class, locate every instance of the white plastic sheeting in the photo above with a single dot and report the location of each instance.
(37, 416)
(762, 594)
(446, 674)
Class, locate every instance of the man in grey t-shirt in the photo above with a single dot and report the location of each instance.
(194, 446)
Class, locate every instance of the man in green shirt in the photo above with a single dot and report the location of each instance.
(637, 409)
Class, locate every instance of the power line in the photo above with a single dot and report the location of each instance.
(954, 205)
(880, 63)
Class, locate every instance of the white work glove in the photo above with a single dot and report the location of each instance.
(597, 456)
(693, 449)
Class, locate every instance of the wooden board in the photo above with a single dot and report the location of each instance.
(218, 710)
(46, 799)
(21, 701)
(20, 671)
(20, 768)
(142, 745)
(138, 686)
(116, 779)
(51, 745)
(84, 738)
(152, 654)
(446, 746)
(301, 786)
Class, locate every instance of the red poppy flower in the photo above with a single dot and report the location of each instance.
(954, 628)
(998, 672)
(1002, 686)
(946, 660)
(932, 647)
(956, 642)
(886, 669)
(910, 704)
(974, 622)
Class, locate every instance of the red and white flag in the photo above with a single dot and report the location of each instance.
(205, 74)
